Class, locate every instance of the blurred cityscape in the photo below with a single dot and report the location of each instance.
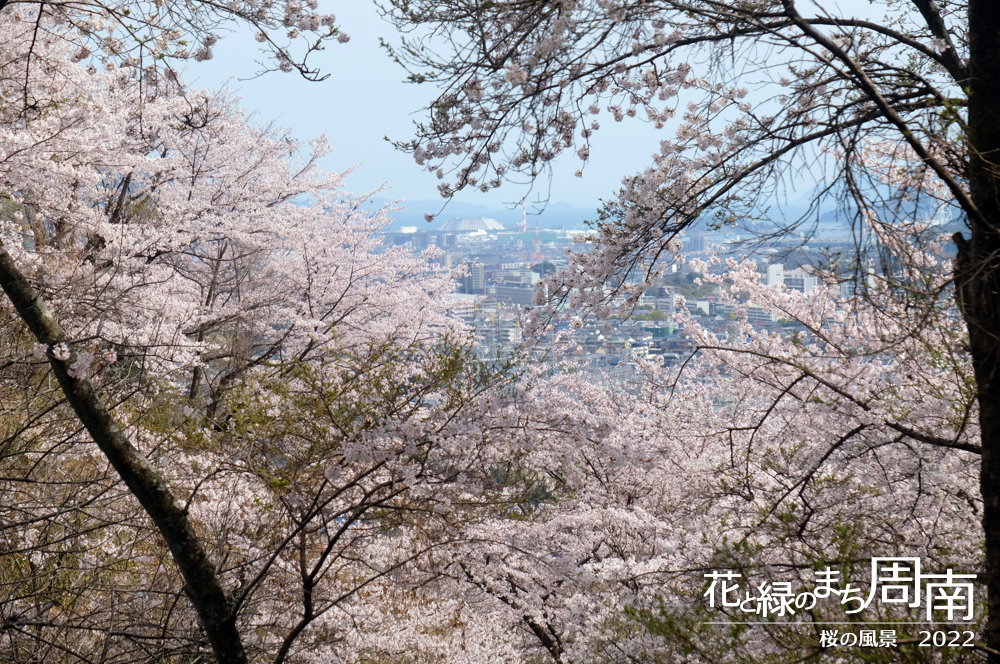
(504, 264)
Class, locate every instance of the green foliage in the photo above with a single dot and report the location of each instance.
(684, 284)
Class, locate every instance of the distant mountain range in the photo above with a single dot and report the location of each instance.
(555, 215)
(564, 215)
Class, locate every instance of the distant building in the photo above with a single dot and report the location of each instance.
(463, 306)
(510, 332)
(667, 304)
(412, 238)
(800, 279)
(517, 277)
(775, 274)
(847, 288)
(469, 225)
(474, 283)
(694, 243)
(519, 295)
(754, 314)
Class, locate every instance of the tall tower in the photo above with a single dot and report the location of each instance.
(538, 244)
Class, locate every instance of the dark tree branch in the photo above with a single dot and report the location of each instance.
(865, 83)
(143, 480)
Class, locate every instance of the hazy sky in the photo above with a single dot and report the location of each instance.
(364, 99)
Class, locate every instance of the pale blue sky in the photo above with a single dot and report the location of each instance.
(364, 100)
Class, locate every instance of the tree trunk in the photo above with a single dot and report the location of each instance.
(143, 480)
(978, 279)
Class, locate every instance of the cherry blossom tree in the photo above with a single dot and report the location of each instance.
(769, 455)
(150, 38)
(237, 415)
(889, 106)
(274, 445)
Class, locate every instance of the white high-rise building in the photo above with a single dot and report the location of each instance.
(775, 274)
(800, 279)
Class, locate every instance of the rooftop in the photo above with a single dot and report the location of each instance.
(481, 224)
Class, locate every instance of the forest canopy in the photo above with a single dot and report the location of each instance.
(238, 426)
